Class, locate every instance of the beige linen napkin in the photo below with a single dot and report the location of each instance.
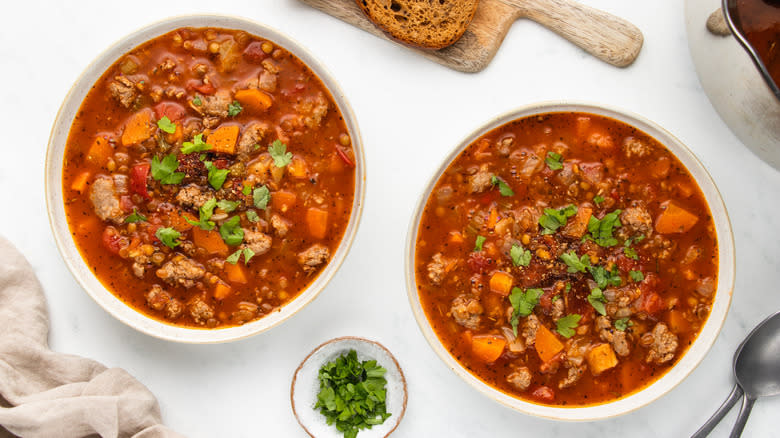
(48, 394)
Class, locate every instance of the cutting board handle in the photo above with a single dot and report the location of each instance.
(603, 35)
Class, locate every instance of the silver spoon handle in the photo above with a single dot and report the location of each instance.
(705, 430)
(744, 412)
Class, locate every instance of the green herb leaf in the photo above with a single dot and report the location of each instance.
(248, 254)
(231, 231)
(165, 170)
(503, 187)
(605, 278)
(204, 212)
(598, 199)
(630, 253)
(227, 206)
(553, 161)
(216, 176)
(597, 300)
(622, 324)
(523, 303)
(261, 196)
(575, 264)
(637, 276)
(196, 101)
(233, 258)
(520, 256)
(352, 394)
(196, 145)
(566, 325)
(234, 109)
(252, 216)
(553, 219)
(556, 298)
(135, 217)
(480, 241)
(168, 236)
(278, 151)
(166, 125)
(247, 189)
(601, 229)
(568, 287)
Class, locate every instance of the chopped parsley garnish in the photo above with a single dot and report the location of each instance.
(196, 101)
(260, 196)
(236, 256)
(637, 276)
(566, 325)
(598, 199)
(234, 109)
(605, 278)
(166, 125)
(575, 264)
(135, 217)
(630, 253)
(168, 236)
(568, 287)
(252, 216)
(555, 298)
(553, 161)
(352, 394)
(231, 231)
(204, 214)
(520, 256)
(246, 190)
(503, 187)
(523, 303)
(227, 206)
(597, 300)
(216, 176)
(278, 151)
(479, 242)
(165, 170)
(553, 219)
(622, 324)
(196, 145)
(601, 229)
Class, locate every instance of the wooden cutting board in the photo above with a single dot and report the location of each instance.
(603, 35)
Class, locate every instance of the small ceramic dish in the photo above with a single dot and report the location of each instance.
(56, 208)
(695, 353)
(305, 386)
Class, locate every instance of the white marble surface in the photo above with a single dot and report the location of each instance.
(411, 112)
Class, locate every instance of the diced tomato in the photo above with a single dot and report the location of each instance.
(546, 299)
(478, 262)
(113, 241)
(344, 157)
(126, 203)
(626, 264)
(488, 197)
(172, 110)
(652, 303)
(221, 163)
(543, 393)
(139, 174)
(254, 52)
(194, 84)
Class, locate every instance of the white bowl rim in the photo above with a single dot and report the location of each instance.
(709, 332)
(54, 196)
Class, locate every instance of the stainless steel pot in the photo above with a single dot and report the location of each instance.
(734, 83)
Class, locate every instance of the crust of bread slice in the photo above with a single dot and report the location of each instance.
(429, 24)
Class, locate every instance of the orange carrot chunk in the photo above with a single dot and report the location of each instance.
(224, 139)
(317, 220)
(283, 201)
(79, 183)
(674, 219)
(221, 290)
(211, 241)
(487, 348)
(254, 100)
(501, 283)
(99, 152)
(235, 273)
(547, 344)
(138, 128)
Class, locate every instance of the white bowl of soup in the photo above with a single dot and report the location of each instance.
(204, 178)
(571, 261)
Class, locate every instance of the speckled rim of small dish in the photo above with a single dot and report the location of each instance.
(400, 416)
(703, 342)
(55, 202)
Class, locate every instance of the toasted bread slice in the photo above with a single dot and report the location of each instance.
(430, 24)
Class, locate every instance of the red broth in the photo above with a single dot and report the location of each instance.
(759, 21)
